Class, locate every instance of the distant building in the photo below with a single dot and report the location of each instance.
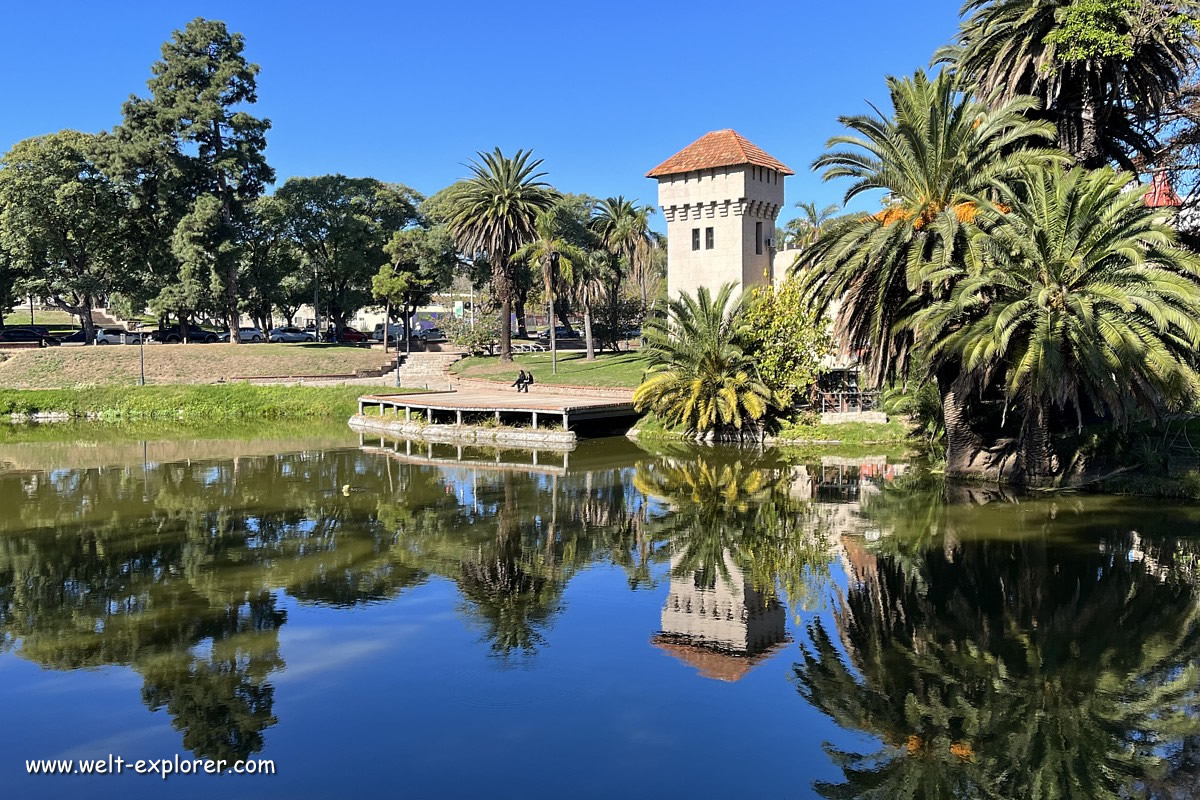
(720, 196)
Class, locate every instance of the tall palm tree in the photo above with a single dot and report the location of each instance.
(1101, 70)
(494, 213)
(1079, 302)
(624, 228)
(589, 281)
(552, 250)
(932, 158)
(700, 378)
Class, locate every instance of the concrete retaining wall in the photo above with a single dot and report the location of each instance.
(462, 434)
(839, 417)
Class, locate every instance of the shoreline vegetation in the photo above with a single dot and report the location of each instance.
(197, 403)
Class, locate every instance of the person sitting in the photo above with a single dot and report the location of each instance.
(522, 379)
(528, 381)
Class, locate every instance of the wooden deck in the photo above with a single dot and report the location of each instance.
(537, 404)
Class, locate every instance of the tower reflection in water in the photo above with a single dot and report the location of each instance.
(721, 626)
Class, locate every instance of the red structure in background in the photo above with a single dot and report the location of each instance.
(1161, 194)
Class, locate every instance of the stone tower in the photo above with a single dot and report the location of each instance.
(720, 196)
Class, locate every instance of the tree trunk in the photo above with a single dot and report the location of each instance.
(961, 441)
(1037, 454)
(549, 279)
(1088, 147)
(562, 309)
(85, 320)
(410, 311)
(519, 307)
(387, 324)
(587, 332)
(506, 308)
(185, 325)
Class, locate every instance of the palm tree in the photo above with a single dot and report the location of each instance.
(933, 157)
(588, 283)
(1079, 302)
(1091, 65)
(552, 251)
(804, 230)
(700, 378)
(494, 213)
(624, 228)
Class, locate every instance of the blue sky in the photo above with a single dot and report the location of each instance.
(409, 91)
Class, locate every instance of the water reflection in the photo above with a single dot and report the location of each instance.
(994, 655)
(991, 646)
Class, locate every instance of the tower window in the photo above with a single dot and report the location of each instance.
(695, 238)
(708, 238)
(758, 239)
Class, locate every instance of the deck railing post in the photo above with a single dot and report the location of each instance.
(535, 420)
(407, 413)
(360, 406)
(458, 417)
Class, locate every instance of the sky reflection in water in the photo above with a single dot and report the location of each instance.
(632, 621)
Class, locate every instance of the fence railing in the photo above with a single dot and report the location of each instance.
(847, 401)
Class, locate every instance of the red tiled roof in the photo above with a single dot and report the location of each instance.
(726, 148)
(1161, 195)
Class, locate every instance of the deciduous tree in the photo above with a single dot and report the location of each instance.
(59, 222)
(342, 226)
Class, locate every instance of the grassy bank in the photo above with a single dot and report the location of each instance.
(895, 435)
(119, 365)
(622, 370)
(894, 431)
(186, 403)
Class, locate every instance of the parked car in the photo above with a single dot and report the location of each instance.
(173, 334)
(347, 334)
(560, 332)
(253, 335)
(15, 335)
(431, 335)
(395, 331)
(113, 336)
(290, 334)
(76, 337)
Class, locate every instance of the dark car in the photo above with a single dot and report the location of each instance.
(76, 337)
(173, 334)
(347, 335)
(560, 332)
(15, 335)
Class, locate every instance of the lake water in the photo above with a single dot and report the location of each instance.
(621, 621)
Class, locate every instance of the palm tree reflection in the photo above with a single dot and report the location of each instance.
(993, 662)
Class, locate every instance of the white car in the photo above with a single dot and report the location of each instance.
(246, 335)
(113, 336)
(290, 335)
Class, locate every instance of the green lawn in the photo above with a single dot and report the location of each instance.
(609, 369)
(59, 321)
(895, 431)
(70, 367)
